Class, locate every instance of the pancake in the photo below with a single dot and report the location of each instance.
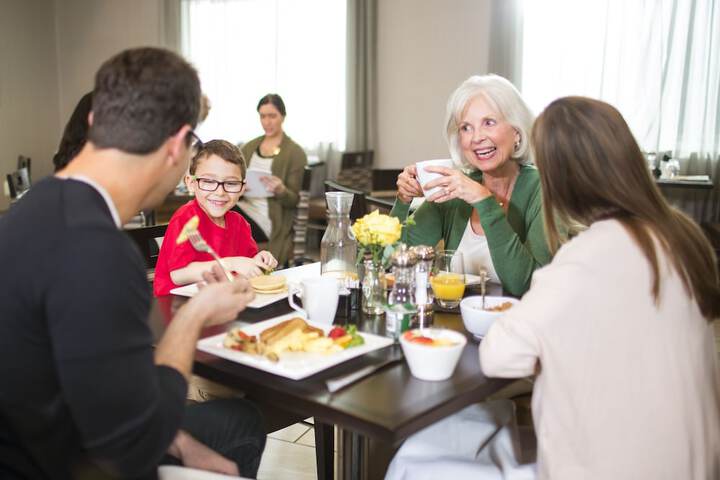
(268, 283)
(271, 292)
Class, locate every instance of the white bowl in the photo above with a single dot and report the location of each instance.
(478, 321)
(433, 363)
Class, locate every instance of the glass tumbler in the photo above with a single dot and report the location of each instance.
(448, 279)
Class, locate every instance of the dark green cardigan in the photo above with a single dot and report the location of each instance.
(288, 166)
(516, 241)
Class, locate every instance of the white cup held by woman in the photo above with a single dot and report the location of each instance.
(424, 176)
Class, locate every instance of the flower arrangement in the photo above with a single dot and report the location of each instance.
(377, 234)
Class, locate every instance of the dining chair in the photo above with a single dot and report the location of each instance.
(25, 162)
(356, 170)
(148, 240)
(300, 223)
(18, 183)
(359, 207)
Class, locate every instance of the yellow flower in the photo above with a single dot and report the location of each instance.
(377, 229)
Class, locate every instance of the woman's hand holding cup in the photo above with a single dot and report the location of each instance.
(408, 185)
(455, 184)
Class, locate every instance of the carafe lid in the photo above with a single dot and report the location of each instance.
(339, 202)
(403, 257)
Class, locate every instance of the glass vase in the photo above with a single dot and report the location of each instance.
(373, 288)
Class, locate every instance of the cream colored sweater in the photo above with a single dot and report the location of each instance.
(626, 389)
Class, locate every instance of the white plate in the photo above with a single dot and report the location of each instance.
(293, 365)
(294, 274)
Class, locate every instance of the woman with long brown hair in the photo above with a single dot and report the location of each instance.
(619, 326)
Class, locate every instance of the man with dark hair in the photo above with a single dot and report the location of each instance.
(84, 393)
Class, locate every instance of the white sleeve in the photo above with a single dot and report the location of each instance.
(513, 345)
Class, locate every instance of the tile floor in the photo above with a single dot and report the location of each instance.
(289, 454)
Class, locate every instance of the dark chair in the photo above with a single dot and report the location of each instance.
(300, 224)
(146, 238)
(385, 179)
(356, 170)
(359, 208)
(25, 162)
(18, 183)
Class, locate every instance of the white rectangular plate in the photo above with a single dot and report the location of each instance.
(293, 365)
(293, 275)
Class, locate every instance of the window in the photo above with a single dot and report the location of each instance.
(244, 49)
(657, 62)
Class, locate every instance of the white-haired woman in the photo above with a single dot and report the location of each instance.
(492, 213)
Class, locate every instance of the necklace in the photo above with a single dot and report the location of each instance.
(501, 199)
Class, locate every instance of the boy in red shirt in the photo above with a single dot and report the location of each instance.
(217, 178)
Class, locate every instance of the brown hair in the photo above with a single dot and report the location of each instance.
(223, 149)
(142, 97)
(591, 168)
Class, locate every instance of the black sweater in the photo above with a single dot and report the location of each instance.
(80, 395)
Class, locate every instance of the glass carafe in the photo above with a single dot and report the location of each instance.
(338, 247)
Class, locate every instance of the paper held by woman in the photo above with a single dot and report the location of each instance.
(255, 188)
(292, 275)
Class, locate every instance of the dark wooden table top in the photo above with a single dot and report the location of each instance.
(389, 405)
(688, 184)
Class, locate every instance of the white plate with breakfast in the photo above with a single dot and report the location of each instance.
(290, 346)
(268, 288)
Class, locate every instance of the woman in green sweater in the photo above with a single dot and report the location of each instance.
(277, 153)
(490, 205)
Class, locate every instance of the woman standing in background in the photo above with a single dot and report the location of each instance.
(277, 153)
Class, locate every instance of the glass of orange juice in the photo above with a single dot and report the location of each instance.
(448, 280)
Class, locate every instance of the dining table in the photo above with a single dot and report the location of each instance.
(374, 415)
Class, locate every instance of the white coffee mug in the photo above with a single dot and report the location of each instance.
(425, 177)
(319, 297)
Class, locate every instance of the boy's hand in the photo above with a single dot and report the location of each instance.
(249, 267)
(268, 261)
(222, 300)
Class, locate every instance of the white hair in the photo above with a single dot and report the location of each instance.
(504, 98)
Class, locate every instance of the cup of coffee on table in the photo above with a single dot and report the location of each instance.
(319, 298)
(424, 177)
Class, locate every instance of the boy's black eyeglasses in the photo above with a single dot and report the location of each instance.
(195, 143)
(210, 185)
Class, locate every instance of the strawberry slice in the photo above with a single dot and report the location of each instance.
(337, 332)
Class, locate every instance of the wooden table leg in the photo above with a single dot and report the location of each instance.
(324, 450)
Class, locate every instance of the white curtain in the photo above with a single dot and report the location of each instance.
(244, 49)
(657, 61)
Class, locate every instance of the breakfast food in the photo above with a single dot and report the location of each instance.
(190, 226)
(294, 335)
(416, 336)
(500, 308)
(268, 284)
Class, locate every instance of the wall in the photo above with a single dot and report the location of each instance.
(28, 86)
(91, 31)
(425, 49)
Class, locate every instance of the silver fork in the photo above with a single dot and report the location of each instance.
(199, 244)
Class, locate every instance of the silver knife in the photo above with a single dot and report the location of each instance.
(335, 384)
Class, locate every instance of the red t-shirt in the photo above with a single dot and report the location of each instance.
(235, 240)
